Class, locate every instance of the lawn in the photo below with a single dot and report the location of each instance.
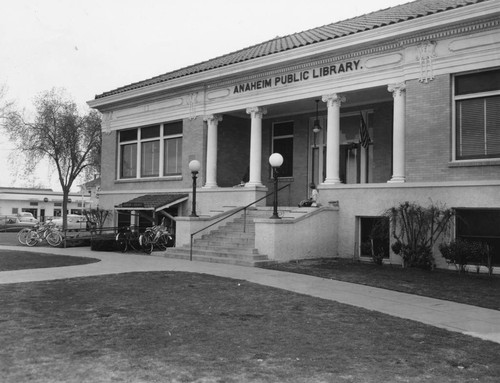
(469, 288)
(17, 260)
(183, 327)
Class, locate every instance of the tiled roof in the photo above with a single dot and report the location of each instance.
(378, 19)
(152, 201)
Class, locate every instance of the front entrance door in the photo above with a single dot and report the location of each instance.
(354, 159)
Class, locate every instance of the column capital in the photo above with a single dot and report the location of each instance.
(397, 89)
(257, 111)
(333, 99)
(211, 118)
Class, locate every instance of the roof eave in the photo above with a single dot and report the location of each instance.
(484, 9)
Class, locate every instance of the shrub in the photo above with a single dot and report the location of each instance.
(97, 216)
(415, 229)
(462, 253)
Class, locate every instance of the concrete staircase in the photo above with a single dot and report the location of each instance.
(228, 244)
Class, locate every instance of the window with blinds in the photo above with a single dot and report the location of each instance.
(477, 108)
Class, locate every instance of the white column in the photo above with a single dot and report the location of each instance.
(256, 114)
(333, 102)
(212, 123)
(398, 144)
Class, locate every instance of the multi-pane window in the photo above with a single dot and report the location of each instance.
(173, 149)
(154, 151)
(128, 153)
(150, 151)
(283, 144)
(477, 111)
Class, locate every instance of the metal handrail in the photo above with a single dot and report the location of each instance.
(244, 208)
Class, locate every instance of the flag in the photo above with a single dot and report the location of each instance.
(363, 133)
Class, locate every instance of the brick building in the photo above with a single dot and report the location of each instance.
(405, 102)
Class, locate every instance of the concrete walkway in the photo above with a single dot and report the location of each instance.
(470, 320)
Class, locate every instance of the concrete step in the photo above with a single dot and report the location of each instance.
(225, 248)
(230, 242)
(254, 260)
(230, 235)
(222, 251)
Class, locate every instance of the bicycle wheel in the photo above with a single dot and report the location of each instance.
(133, 241)
(54, 238)
(146, 241)
(121, 242)
(32, 238)
(163, 242)
(23, 235)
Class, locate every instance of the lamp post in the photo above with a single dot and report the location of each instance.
(194, 166)
(275, 160)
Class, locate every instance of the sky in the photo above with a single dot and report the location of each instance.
(89, 47)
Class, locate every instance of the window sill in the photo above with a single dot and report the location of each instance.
(470, 163)
(151, 179)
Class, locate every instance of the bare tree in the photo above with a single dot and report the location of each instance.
(71, 141)
(5, 105)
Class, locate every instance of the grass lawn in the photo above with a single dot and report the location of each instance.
(18, 260)
(182, 327)
(469, 288)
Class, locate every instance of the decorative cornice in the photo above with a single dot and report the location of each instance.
(383, 47)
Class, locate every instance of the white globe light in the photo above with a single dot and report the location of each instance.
(276, 160)
(194, 166)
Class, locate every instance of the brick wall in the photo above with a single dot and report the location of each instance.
(428, 129)
(429, 136)
(108, 160)
(194, 138)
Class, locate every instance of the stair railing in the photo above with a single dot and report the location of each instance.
(244, 209)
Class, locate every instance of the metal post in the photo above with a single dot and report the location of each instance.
(193, 210)
(245, 220)
(275, 204)
(191, 248)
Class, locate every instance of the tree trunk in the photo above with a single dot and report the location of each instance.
(65, 213)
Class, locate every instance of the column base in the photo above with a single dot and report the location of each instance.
(332, 181)
(254, 185)
(210, 186)
(397, 179)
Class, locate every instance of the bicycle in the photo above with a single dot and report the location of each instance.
(38, 233)
(23, 235)
(127, 238)
(156, 236)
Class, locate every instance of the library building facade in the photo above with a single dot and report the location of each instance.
(399, 105)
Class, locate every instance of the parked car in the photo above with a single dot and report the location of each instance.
(74, 222)
(13, 223)
(26, 217)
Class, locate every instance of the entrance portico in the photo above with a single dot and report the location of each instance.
(337, 150)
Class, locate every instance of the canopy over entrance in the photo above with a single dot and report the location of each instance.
(153, 202)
